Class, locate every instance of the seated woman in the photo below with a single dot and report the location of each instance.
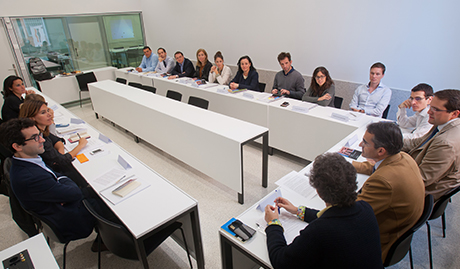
(203, 66)
(54, 155)
(345, 228)
(246, 77)
(322, 88)
(220, 73)
(13, 89)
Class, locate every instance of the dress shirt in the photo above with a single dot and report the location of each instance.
(149, 64)
(414, 126)
(161, 68)
(223, 78)
(372, 103)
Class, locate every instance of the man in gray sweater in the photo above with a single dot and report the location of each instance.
(288, 82)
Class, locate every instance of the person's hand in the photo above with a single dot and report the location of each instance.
(358, 110)
(274, 91)
(284, 91)
(234, 85)
(327, 96)
(214, 69)
(405, 104)
(160, 59)
(286, 204)
(138, 69)
(271, 213)
(30, 92)
(82, 142)
(371, 161)
(173, 77)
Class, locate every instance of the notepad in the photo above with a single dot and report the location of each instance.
(126, 188)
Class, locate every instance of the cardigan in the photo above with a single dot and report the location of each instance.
(250, 83)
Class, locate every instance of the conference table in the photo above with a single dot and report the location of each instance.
(207, 141)
(302, 129)
(236, 254)
(140, 213)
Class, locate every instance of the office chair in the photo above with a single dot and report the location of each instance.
(135, 84)
(121, 80)
(400, 248)
(439, 210)
(174, 95)
(385, 112)
(132, 53)
(262, 87)
(120, 241)
(149, 88)
(199, 102)
(338, 102)
(83, 79)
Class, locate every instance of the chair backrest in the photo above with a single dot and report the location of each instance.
(338, 102)
(135, 84)
(115, 236)
(400, 248)
(121, 80)
(199, 102)
(441, 204)
(262, 87)
(49, 229)
(174, 95)
(385, 112)
(85, 78)
(149, 88)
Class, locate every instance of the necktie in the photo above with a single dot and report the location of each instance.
(431, 136)
(164, 62)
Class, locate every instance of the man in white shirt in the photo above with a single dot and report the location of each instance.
(419, 100)
(165, 62)
(372, 98)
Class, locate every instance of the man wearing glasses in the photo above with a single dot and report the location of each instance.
(416, 125)
(437, 153)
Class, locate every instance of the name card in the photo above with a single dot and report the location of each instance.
(104, 138)
(222, 90)
(123, 163)
(351, 141)
(76, 121)
(300, 109)
(340, 117)
(248, 95)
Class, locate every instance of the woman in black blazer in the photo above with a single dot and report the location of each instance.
(246, 77)
(203, 66)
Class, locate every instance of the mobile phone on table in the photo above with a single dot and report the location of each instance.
(285, 104)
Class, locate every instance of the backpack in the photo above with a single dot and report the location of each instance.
(38, 69)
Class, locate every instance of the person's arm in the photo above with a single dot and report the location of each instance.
(275, 87)
(438, 159)
(212, 76)
(225, 75)
(253, 82)
(420, 130)
(81, 144)
(363, 167)
(319, 100)
(176, 70)
(44, 188)
(206, 70)
(299, 88)
(355, 99)
(403, 120)
(143, 64)
(381, 104)
(377, 192)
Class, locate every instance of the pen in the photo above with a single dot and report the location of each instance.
(78, 136)
(353, 114)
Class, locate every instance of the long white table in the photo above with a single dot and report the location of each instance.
(210, 142)
(141, 213)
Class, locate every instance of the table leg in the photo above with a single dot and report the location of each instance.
(265, 160)
(199, 254)
(140, 249)
(226, 253)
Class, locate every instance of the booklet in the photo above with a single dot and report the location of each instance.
(350, 153)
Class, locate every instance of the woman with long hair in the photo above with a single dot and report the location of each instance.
(322, 88)
(203, 65)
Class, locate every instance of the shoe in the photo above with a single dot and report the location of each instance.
(94, 246)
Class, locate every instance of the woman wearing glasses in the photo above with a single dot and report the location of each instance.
(322, 88)
(54, 155)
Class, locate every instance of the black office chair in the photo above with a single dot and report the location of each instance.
(400, 248)
(120, 241)
(262, 87)
(439, 210)
(149, 88)
(121, 80)
(199, 102)
(135, 84)
(174, 95)
(83, 80)
(338, 102)
(385, 112)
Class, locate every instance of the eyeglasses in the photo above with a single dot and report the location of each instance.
(320, 77)
(418, 98)
(434, 109)
(35, 137)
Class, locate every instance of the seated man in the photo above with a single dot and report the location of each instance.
(437, 153)
(288, 82)
(374, 97)
(149, 61)
(416, 125)
(39, 189)
(183, 68)
(165, 62)
(394, 188)
(345, 228)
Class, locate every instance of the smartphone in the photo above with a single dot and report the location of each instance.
(96, 151)
(285, 104)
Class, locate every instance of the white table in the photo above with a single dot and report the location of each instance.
(141, 213)
(39, 252)
(210, 142)
(64, 89)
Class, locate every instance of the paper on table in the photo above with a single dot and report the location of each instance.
(110, 177)
(298, 183)
(269, 200)
(291, 225)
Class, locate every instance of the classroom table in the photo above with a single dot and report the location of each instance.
(140, 213)
(207, 141)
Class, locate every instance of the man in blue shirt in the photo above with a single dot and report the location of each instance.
(149, 61)
(372, 98)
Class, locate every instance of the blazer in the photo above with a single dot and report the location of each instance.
(205, 72)
(396, 193)
(250, 83)
(438, 159)
(54, 198)
(189, 71)
(10, 108)
(345, 237)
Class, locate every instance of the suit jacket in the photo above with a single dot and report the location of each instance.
(438, 159)
(189, 71)
(10, 108)
(396, 193)
(58, 200)
(345, 237)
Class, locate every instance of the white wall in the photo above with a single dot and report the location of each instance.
(416, 40)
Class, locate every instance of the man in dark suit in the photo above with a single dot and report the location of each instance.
(39, 189)
(183, 68)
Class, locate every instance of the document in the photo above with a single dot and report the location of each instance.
(291, 225)
(298, 183)
(115, 199)
(111, 177)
